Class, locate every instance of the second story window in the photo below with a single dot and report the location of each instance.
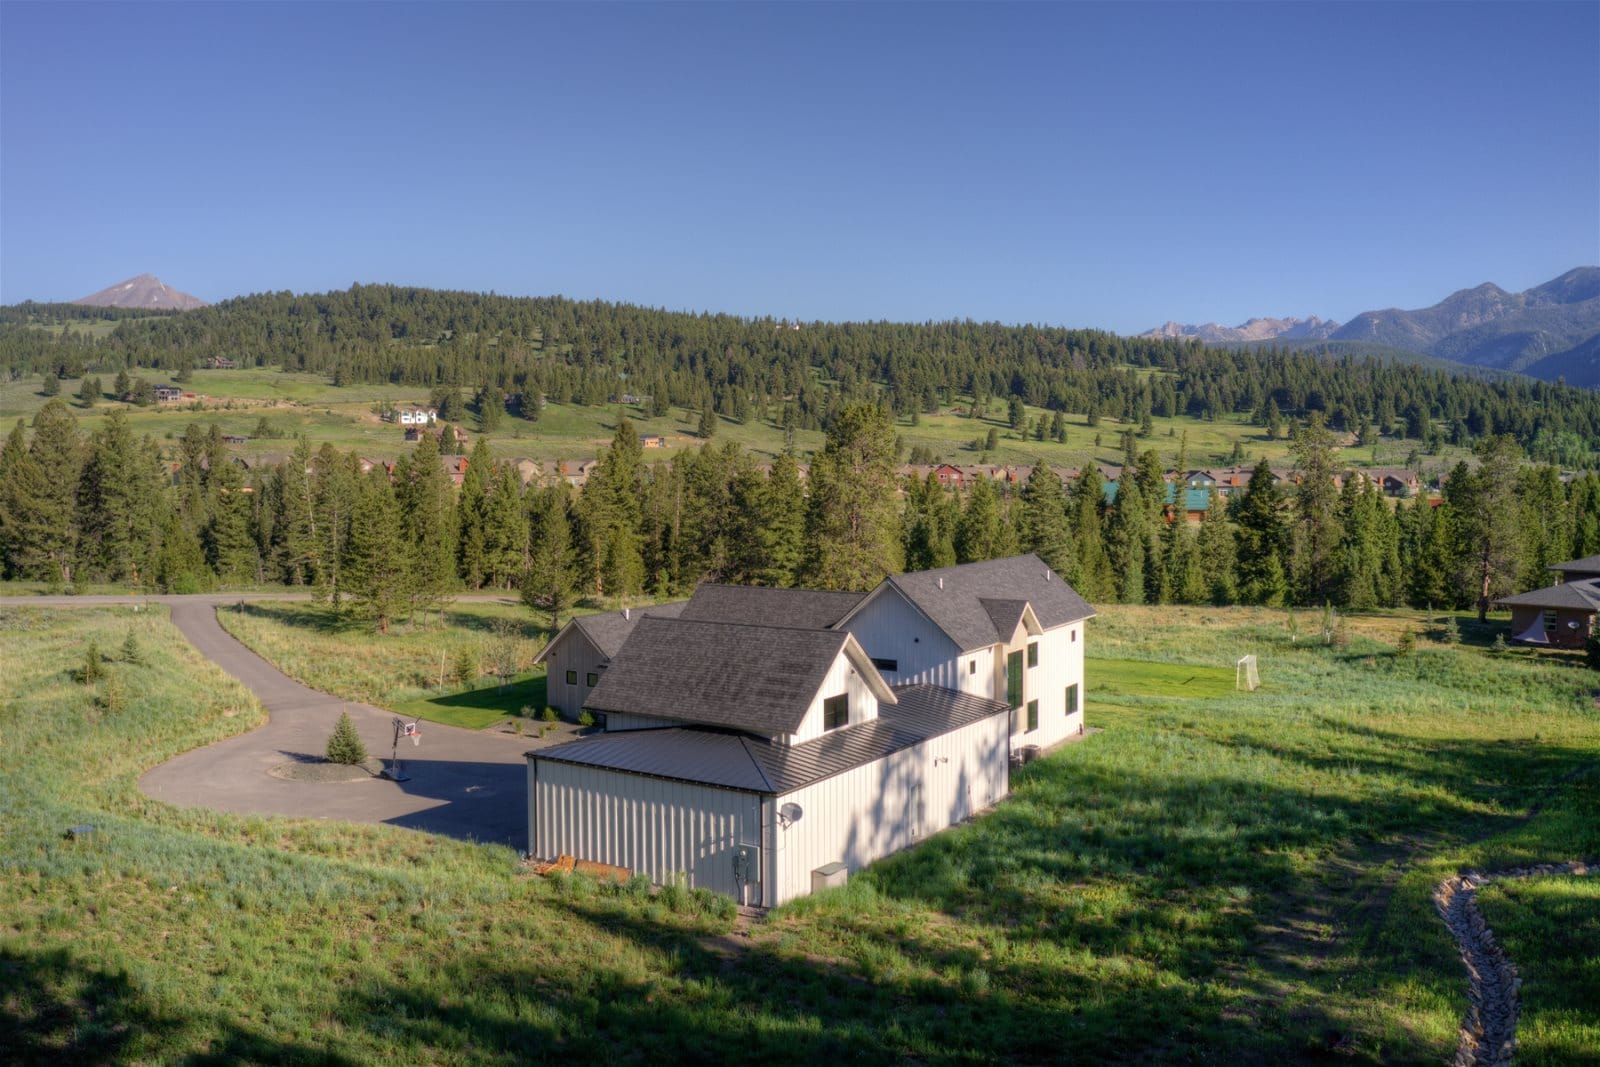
(835, 712)
(1033, 653)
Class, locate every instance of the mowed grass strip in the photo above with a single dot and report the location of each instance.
(1131, 902)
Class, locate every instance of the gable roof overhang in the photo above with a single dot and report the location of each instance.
(570, 632)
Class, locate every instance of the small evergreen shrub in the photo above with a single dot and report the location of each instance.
(112, 697)
(131, 652)
(550, 714)
(465, 668)
(345, 745)
(92, 670)
(1499, 646)
(1406, 645)
(1452, 631)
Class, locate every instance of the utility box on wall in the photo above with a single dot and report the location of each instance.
(829, 875)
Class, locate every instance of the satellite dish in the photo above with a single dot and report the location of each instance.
(790, 814)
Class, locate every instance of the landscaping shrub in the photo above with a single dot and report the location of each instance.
(549, 714)
(345, 745)
(585, 717)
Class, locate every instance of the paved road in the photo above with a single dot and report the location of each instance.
(464, 783)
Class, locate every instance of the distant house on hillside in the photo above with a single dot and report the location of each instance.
(168, 394)
(652, 440)
(221, 363)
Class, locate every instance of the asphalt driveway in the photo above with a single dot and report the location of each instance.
(463, 783)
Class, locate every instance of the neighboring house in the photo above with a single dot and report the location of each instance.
(1007, 629)
(234, 438)
(1560, 615)
(1199, 480)
(583, 648)
(1391, 481)
(221, 363)
(651, 440)
(168, 394)
(774, 756)
(950, 476)
(412, 416)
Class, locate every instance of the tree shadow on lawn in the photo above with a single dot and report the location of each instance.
(56, 1009)
(316, 618)
(765, 1003)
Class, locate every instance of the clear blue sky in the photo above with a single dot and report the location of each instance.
(1108, 165)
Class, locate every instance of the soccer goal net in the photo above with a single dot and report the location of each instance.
(1244, 674)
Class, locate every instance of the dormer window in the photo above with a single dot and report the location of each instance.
(836, 712)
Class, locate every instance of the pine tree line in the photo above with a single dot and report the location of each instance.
(394, 542)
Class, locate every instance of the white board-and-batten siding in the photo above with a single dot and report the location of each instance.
(890, 628)
(652, 826)
(871, 811)
(842, 679)
(573, 651)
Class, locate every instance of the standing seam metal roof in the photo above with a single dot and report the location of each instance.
(732, 760)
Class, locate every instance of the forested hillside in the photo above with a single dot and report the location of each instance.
(590, 352)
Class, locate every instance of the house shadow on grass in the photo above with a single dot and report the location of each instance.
(485, 803)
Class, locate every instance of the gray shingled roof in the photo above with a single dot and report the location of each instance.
(958, 605)
(1581, 595)
(1589, 564)
(756, 678)
(609, 629)
(752, 764)
(813, 609)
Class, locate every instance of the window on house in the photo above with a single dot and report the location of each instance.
(591, 679)
(1549, 622)
(1033, 715)
(886, 664)
(835, 712)
(572, 677)
(1033, 653)
(1072, 698)
(1014, 679)
(1074, 635)
(972, 666)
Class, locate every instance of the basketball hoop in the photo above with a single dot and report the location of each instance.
(397, 769)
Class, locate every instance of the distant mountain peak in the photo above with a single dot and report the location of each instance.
(1258, 329)
(143, 291)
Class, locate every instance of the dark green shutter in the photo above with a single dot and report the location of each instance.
(1014, 679)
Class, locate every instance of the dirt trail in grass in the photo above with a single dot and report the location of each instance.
(1489, 1032)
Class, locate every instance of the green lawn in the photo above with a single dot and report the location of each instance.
(1551, 928)
(1215, 877)
(476, 708)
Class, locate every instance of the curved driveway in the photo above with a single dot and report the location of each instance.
(464, 783)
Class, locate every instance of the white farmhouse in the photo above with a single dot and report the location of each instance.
(1006, 629)
(762, 741)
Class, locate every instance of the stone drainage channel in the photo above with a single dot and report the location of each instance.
(1489, 1033)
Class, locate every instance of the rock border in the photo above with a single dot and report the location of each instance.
(1489, 1032)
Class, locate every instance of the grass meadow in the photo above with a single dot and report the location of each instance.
(412, 669)
(303, 403)
(1214, 876)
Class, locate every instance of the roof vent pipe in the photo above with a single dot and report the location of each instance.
(627, 613)
(941, 583)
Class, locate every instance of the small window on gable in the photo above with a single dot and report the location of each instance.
(972, 666)
(572, 677)
(1033, 653)
(591, 679)
(1074, 635)
(886, 664)
(836, 712)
